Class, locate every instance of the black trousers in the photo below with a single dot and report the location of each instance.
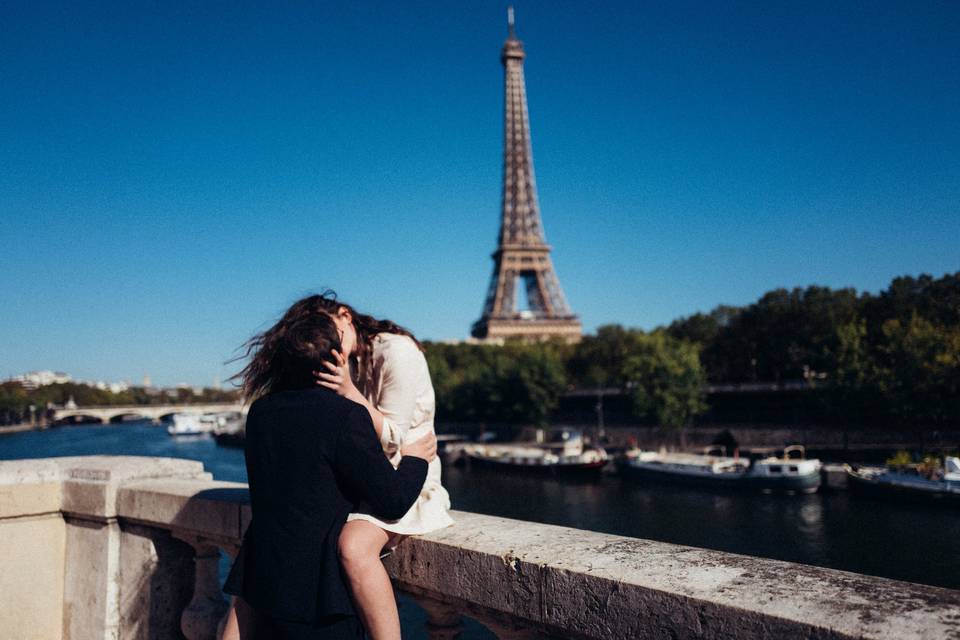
(333, 628)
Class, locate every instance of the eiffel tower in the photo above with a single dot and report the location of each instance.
(522, 253)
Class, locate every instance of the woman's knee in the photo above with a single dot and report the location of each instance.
(360, 542)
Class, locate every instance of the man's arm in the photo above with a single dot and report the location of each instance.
(360, 462)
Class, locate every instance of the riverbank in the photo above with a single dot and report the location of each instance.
(20, 428)
(830, 442)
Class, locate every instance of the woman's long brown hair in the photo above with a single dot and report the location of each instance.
(304, 329)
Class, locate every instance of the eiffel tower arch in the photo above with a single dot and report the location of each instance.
(522, 265)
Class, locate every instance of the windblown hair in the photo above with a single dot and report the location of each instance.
(285, 356)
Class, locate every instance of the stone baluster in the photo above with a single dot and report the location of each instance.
(444, 621)
(201, 620)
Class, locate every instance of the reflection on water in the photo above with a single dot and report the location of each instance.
(834, 530)
(826, 529)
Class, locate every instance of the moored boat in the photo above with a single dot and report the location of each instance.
(566, 451)
(229, 430)
(769, 474)
(909, 484)
(785, 473)
(188, 424)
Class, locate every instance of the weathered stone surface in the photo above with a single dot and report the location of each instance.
(31, 577)
(18, 500)
(34, 471)
(88, 484)
(209, 508)
(91, 580)
(91, 484)
(156, 583)
(594, 585)
(123, 575)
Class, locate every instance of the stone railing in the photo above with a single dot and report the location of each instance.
(123, 547)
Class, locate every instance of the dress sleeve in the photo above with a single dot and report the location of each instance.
(401, 378)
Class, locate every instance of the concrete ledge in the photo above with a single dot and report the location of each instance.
(91, 483)
(211, 509)
(592, 585)
(524, 578)
(85, 486)
(17, 501)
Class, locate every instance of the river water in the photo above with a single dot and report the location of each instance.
(917, 543)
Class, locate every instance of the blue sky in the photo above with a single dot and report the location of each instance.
(173, 175)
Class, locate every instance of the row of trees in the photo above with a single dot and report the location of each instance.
(16, 400)
(522, 383)
(892, 357)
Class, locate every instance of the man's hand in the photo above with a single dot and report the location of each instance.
(425, 448)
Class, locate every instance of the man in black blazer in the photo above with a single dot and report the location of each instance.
(312, 458)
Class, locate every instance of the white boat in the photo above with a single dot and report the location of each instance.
(230, 429)
(564, 451)
(190, 424)
(772, 473)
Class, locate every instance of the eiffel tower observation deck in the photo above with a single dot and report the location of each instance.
(522, 266)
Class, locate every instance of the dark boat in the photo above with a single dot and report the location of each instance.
(908, 484)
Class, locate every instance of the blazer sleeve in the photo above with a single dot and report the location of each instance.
(360, 463)
(401, 378)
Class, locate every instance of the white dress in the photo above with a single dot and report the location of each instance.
(404, 395)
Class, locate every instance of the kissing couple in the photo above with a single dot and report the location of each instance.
(341, 462)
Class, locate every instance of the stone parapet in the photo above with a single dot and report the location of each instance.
(135, 556)
(583, 584)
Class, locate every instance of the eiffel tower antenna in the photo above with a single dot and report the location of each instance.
(522, 255)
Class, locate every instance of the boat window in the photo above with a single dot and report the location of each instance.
(775, 468)
(793, 469)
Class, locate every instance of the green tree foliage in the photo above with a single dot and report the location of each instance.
(15, 400)
(892, 356)
(662, 372)
(918, 370)
(522, 383)
(665, 378)
(599, 360)
(515, 383)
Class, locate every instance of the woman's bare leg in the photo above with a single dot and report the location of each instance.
(360, 545)
(238, 624)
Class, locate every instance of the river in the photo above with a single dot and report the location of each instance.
(917, 543)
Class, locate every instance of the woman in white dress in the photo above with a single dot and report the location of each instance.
(384, 370)
(393, 383)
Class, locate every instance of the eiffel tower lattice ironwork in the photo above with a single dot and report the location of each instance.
(523, 254)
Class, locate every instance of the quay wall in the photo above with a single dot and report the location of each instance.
(832, 439)
(127, 547)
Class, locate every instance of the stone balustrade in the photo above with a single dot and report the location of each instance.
(124, 547)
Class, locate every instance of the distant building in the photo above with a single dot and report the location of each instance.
(112, 387)
(35, 379)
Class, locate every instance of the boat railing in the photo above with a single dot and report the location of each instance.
(795, 448)
(709, 449)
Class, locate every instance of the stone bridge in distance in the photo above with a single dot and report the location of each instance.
(117, 413)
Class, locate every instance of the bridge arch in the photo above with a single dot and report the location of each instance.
(80, 418)
(131, 416)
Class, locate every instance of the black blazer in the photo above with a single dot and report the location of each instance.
(312, 456)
